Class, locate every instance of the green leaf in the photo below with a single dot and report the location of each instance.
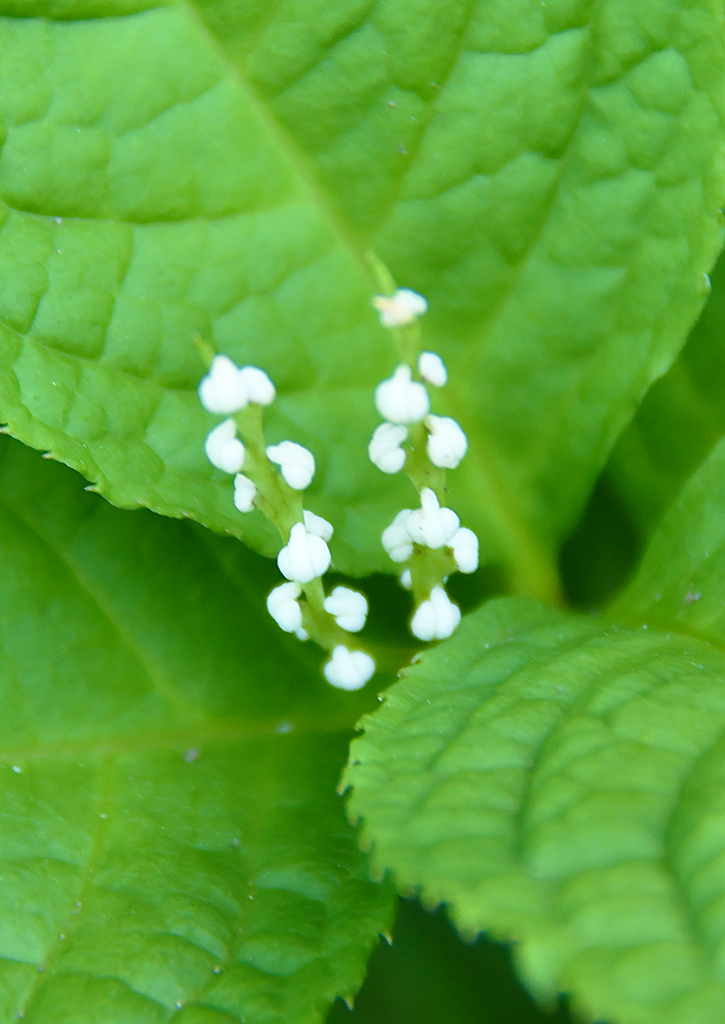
(559, 782)
(535, 170)
(681, 581)
(679, 421)
(172, 846)
(549, 176)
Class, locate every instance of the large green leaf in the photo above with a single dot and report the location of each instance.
(172, 848)
(560, 781)
(561, 784)
(681, 581)
(549, 175)
(679, 421)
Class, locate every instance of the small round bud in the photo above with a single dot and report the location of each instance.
(464, 544)
(431, 525)
(245, 492)
(436, 618)
(349, 670)
(317, 525)
(348, 607)
(304, 557)
(406, 579)
(260, 388)
(384, 449)
(282, 605)
(396, 539)
(400, 308)
(223, 390)
(224, 449)
(400, 399)
(432, 368)
(447, 443)
(296, 463)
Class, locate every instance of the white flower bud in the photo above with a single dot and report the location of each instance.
(436, 618)
(384, 449)
(464, 544)
(282, 605)
(224, 449)
(396, 539)
(406, 579)
(400, 308)
(245, 492)
(260, 388)
(400, 399)
(447, 443)
(431, 525)
(432, 368)
(305, 556)
(223, 390)
(317, 525)
(296, 463)
(349, 670)
(349, 608)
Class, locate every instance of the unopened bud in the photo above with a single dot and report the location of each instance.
(283, 606)
(447, 443)
(260, 388)
(245, 492)
(348, 607)
(349, 670)
(223, 390)
(400, 399)
(384, 449)
(400, 308)
(224, 449)
(304, 557)
(432, 368)
(431, 525)
(296, 463)
(396, 539)
(317, 525)
(436, 618)
(464, 544)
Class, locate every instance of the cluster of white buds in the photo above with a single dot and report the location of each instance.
(228, 390)
(404, 404)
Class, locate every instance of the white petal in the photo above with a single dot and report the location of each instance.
(400, 308)
(223, 390)
(349, 670)
(406, 579)
(224, 449)
(464, 543)
(317, 525)
(283, 607)
(400, 399)
(431, 525)
(396, 539)
(296, 463)
(259, 385)
(384, 449)
(349, 608)
(435, 618)
(432, 368)
(304, 557)
(245, 492)
(447, 443)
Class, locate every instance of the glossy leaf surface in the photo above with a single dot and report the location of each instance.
(558, 780)
(172, 848)
(548, 176)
